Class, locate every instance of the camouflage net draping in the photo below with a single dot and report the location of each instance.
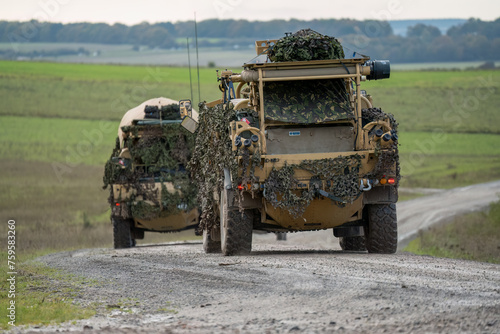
(387, 157)
(306, 44)
(212, 153)
(307, 101)
(340, 175)
(167, 112)
(160, 154)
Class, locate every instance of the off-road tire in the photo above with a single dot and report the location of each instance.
(382, 234)
(122, 236)
(236, 229)
(355, 244)
(209, 245)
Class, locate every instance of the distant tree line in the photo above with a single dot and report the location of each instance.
(473, 40)
(11, 54)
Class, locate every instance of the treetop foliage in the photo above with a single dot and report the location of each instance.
(473, 40)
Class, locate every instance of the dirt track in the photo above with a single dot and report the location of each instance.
(305, 284)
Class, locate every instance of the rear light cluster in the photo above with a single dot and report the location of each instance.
(249, 186)
(383, 181)
(388, 180)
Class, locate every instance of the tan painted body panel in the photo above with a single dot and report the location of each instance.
(367, 162)
(138, 113)
(169, 222)
(166, 223)
(335, 139)
(322, 213)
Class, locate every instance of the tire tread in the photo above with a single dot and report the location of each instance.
(239, 232)
(122, 235)
(382, 236)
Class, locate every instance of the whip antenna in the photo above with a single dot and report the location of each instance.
(189, 65)
(197, 61)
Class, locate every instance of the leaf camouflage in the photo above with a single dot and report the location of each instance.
(306, 44)
(159, 154)
(340, 175)
(111, 171)
(212, 153)
(307, 101)
(167, 112)
(389, 156)
(278, 191)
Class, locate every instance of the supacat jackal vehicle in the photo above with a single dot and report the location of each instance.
(150, 189)
(296, 145)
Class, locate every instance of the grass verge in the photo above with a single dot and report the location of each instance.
(43, 295)
(475, 236)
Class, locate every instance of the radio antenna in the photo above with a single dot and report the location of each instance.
(189, 65)
(197, 60)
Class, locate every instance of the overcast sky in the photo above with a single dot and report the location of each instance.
(133, 12)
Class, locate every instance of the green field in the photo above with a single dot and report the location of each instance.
(59, 121)
(458, 101)
(58, 124)
(223, 57)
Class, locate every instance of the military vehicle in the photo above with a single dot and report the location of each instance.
(150, 189)
(296, 145)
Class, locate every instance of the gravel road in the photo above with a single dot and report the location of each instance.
(305, 284)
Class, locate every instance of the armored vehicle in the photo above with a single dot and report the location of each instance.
(150, 189)
(296, 145)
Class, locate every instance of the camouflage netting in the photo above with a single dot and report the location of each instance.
(388, 157)
(376, 114)
(248, 165)
(212, 153)
(112, 172)
(306, 44)
(160, 154)
(167, 112)
(307, 102)
(340, 175)
(278, 191)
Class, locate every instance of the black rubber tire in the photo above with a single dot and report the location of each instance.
(382, 234)
(280, 236)
(209, 245)
(355, 244)
(122, 236)
(236, 229)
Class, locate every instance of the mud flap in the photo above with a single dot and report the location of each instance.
(381, 195)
